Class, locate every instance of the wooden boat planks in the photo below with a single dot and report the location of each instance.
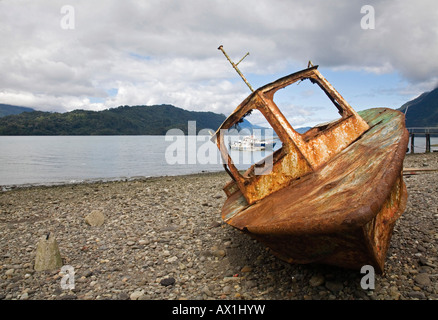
(412, 171)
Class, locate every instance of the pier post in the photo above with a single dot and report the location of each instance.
(412, 142)
(427, 142)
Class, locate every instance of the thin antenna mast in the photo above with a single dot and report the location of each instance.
(235, 66)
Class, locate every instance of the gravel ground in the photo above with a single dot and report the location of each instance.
(163, 239)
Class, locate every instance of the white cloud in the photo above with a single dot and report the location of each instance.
(154, 52)
(50, 102)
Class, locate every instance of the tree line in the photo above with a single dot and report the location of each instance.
(124, 120)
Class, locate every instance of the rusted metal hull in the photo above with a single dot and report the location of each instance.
(343, 212)
(333, 194)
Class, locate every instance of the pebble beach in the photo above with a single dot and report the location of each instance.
(163, 239)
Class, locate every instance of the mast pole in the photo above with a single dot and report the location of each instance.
(235, 66)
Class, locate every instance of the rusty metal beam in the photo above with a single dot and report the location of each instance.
(300, 154)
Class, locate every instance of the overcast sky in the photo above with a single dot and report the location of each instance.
(113, 53)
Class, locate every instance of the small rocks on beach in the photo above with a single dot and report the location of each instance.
(163, 238)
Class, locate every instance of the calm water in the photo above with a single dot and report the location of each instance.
(420, 144)
(69, 159)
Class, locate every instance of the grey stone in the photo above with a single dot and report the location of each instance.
(9, 272)
(251, 284)
(136, 295)
(334, 286)
(123, 296)
(167, 282)
(416, 295)
(422, 279)
(24, 296)
(394, 293)
(87, 274)
(206, 291)
(95, 218)
(215, 224)
(219, 253)
(317, 280)
(226, 290)
(48, 256)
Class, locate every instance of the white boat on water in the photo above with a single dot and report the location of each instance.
(251, 143)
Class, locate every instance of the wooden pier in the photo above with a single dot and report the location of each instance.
(423, 131)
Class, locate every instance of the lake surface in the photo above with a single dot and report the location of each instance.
(49, 160)
(35, 160)
(420, 144)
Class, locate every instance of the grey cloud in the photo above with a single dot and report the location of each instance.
(166, 51)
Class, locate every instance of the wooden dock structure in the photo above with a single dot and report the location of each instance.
(422, 131)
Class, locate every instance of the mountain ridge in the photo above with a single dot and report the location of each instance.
(123, 120)
(8, 109)
(422, 111)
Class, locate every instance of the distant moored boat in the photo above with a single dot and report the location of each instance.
(251, 143)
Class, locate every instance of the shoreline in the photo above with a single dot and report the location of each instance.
(9, 187)
(163, 239)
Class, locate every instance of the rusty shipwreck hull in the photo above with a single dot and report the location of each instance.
(333, 194)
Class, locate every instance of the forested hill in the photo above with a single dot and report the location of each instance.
(7, 109)
(124, 120)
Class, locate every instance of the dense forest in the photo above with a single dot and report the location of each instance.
(124, 120)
